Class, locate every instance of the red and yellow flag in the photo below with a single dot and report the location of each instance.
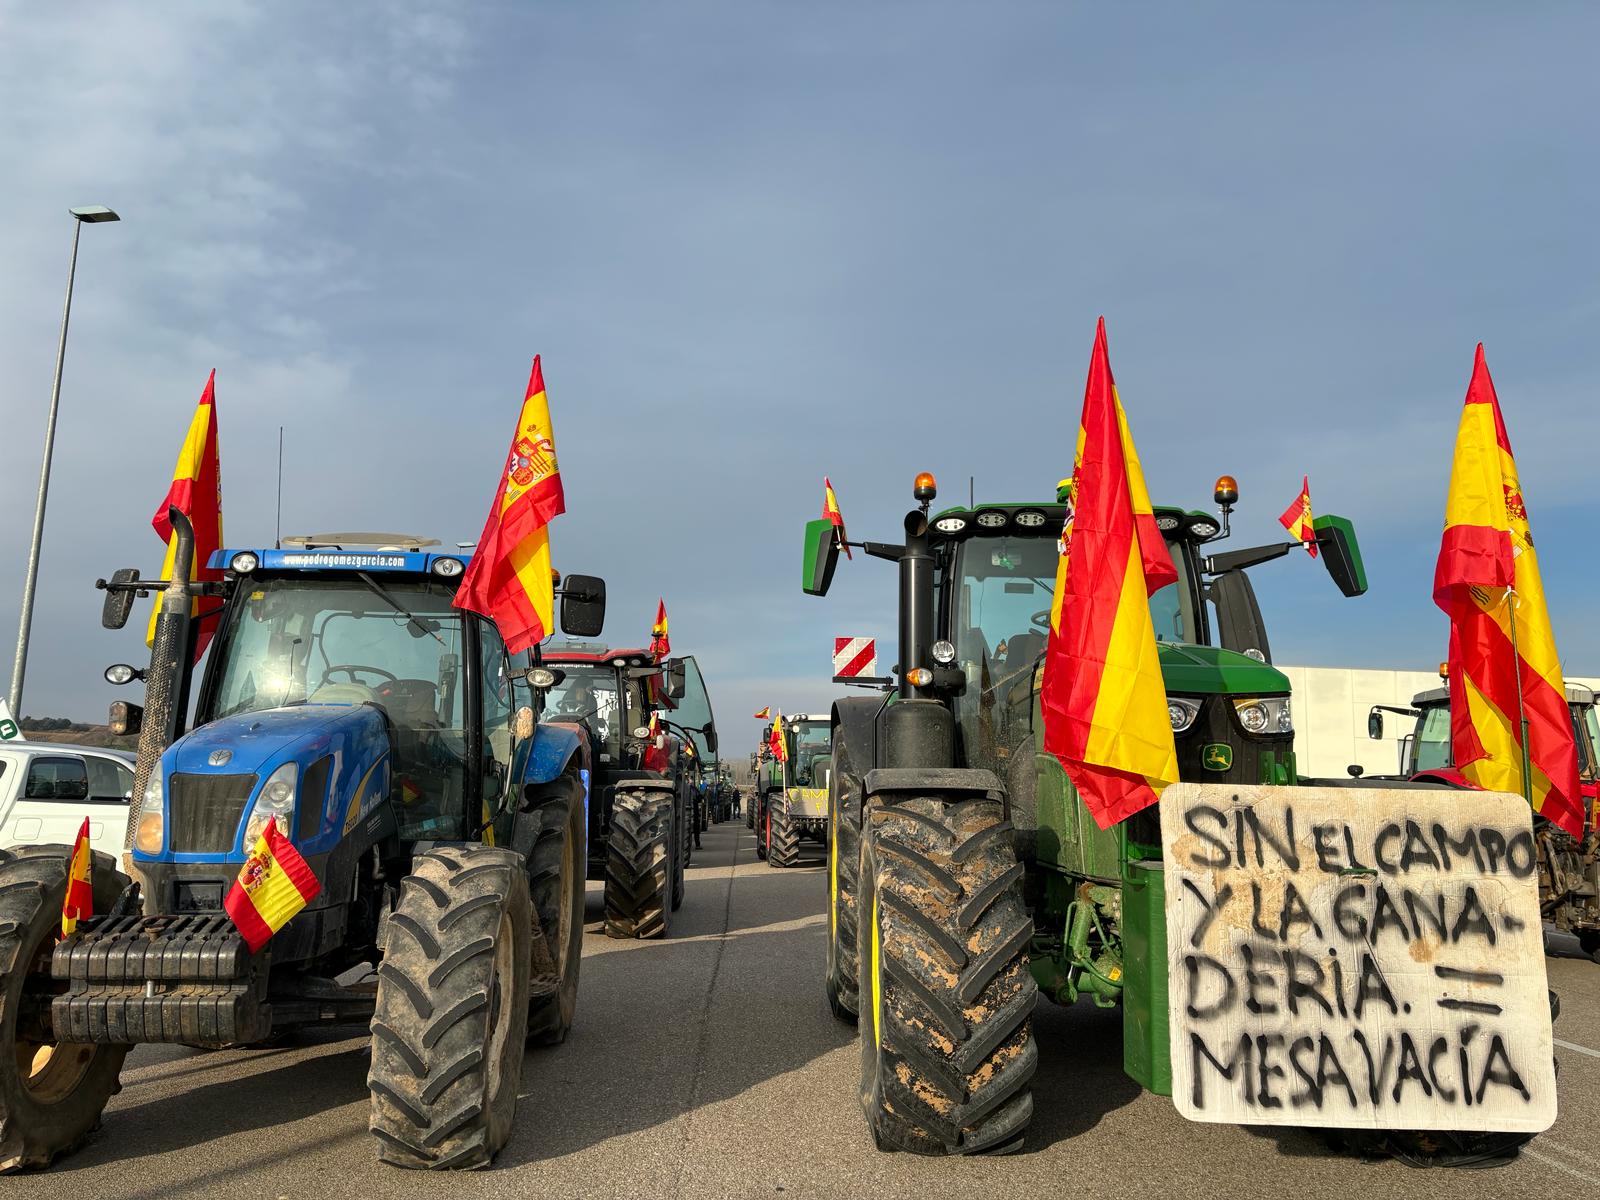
(1104, 702)
(78, 904)
(1487, 582)
(775, 740)
(273, 885)
(196, 492)
(1297, 518)
(766, 712)
(509, 577)
(660, 643)
(830, 509)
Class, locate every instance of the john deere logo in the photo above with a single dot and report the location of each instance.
(1217, 757)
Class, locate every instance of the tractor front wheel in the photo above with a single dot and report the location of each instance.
(844, 840)
(947, 1049)
(640, 865)
(51, 1093)
(452, 1010)
(556, 870)
(783, 841)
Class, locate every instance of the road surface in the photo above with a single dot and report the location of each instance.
(707, 1065)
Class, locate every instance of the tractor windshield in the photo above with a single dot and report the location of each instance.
(324, 642)
(998, 614)
(1431, 750)
(588, 695)
(813, 743)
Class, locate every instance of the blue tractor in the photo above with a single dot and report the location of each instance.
(400, 748)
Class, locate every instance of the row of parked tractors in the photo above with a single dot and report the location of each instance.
(450, 799)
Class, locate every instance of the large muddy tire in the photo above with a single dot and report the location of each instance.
(452, 1009)
(783, 841)
(680, 860)
(844, 841)
(639, 865)
(763, 826)
(947, 1050)
(51, 1094)
(556, 870)
(750, 813)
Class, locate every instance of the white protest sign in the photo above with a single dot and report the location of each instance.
(10, 731)
(1356, 957)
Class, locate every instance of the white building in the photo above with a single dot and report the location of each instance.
(1330, 716)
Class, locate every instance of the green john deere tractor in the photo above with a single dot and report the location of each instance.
(965, 875)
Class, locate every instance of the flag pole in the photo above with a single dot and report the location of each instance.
(1522, 711)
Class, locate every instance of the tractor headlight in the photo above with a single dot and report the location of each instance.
(275, 800)
(992, 519)
(643, 731)
(1268, 715)
(1182, 711)
(448, 567)
(541, 677)
(944, 653)
(151, 832)
(243, 563)
(951, 525)
(1031, 518)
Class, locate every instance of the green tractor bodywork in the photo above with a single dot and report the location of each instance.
(977, 618)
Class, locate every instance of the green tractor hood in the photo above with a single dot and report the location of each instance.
(1210, 671)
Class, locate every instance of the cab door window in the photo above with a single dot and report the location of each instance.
(109, 781)
(498, 699)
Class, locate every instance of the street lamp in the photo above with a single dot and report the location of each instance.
(92, 214)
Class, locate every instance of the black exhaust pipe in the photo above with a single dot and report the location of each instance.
(169, 666)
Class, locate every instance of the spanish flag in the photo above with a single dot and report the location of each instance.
(830, 509)
(660, 643)
(765, 713)
(1487, 582)
(78, 904)
(196, 492)
(1104, 702)
(775, 740)
(1297, 518)
(273, 885)
(509, 577)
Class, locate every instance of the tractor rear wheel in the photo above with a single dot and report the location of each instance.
(750, 813)
(639, 865)
(556, 870)
(783, 842)
(844, 839)
(452, 1009)
(51, 1093)
(763, 825)
(947, 1049)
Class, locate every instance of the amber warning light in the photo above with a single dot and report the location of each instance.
(925, 488)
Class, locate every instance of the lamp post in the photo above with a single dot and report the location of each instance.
(93, 214)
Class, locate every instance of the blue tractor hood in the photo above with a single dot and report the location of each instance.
(341, 753)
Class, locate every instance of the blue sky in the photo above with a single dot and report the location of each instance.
(760, 243)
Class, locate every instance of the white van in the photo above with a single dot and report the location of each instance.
(47, 789)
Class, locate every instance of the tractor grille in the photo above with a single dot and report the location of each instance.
(203, 811)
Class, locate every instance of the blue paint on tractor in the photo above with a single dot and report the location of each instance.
(544, 756)
(260, 743)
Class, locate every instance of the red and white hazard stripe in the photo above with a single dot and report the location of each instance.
(854, 656)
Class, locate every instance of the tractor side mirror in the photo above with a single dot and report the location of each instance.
(1341, 554)
(821, 557)
(583, 605)
(126, 719)
(677, 679)
(1375, 725)
(119, 598)
(711, 739)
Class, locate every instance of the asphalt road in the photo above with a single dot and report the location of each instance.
(708, 1065)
